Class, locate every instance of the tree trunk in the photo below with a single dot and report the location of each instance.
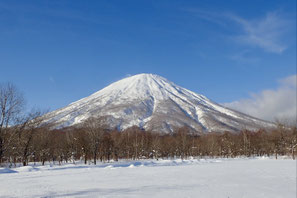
(86, 159)
(95, 157)
(1, 149)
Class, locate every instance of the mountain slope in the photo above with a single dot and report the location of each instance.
(153, 103)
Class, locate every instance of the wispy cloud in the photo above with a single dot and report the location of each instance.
(271, 104)
(212, 17)
(243, 57)
(266, 32)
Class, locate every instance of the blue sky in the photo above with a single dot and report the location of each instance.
(57, 52)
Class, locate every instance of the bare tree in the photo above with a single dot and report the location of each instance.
(26, 132)
(293, 141)
(42, 143)
(182, 137)
(11, 105)
(94, 127)
(83, 143)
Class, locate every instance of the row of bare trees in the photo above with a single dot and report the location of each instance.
(91, 143)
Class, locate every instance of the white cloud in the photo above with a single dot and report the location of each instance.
(266, 33)
(271, 104)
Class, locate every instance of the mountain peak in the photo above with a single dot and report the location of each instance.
(142, 78)
(145, 75)
(139, 86)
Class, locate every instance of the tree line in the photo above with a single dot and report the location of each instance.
(90, 144)
(26, 138)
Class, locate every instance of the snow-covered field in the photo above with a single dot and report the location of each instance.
(226, 178)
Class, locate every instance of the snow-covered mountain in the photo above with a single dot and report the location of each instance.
(153, 103)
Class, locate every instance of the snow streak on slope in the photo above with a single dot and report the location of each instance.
(154, 103)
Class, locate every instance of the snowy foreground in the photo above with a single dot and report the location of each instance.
(228, 178)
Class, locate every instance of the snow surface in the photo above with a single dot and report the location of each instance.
(206, 178)
(154, 103)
